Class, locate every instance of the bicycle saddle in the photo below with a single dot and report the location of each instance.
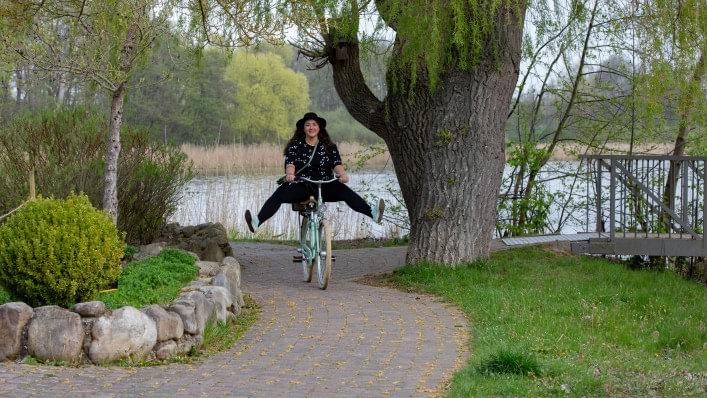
(308, 205)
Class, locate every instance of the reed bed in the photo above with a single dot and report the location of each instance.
(570, 151)
(264, 158)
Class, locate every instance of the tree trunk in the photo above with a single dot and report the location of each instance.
(448, 150)
(687, 102)
(110, 190)
(447, 144)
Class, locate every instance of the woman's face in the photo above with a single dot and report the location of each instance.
(311, 129)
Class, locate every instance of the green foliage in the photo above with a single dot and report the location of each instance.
(697, 143)
(66, 147)
(155, 280)
(438, 35)
(269, 97)
(59, 251)
(130, 251)
(434, 213)
(522, 214)
(150, 178)
(510, 362)
(192, 102)
(344, 128)
(593, 325)
(5, 296)
(444, 137)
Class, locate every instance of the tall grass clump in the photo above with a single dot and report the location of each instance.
(66, 148)
(546, 324)
(155, 280)
(510, 362)
(59, 251)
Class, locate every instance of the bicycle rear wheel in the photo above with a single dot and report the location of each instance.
(305, 240)
(324, 255)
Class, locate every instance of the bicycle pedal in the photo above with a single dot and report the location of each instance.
(296, 259)
(333, 258)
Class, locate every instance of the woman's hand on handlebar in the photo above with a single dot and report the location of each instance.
(343, 178)
(289, 177)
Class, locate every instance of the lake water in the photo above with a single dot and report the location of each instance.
(224, 199)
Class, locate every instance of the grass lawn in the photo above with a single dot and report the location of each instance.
(549, 324)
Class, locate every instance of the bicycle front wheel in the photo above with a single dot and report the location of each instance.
(324, 257)
(305, 240)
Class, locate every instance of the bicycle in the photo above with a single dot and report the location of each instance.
(315, 237)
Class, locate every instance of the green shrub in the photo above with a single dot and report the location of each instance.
(59, 251)
(4, 296)
(150, 178)
(67, 147)
(155, 280)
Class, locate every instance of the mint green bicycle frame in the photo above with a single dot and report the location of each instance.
(310, 243)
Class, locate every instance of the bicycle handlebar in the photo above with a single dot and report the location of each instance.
(317, 182)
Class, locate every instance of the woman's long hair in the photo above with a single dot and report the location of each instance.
(323, 138)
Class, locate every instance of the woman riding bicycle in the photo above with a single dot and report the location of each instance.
(310, 153)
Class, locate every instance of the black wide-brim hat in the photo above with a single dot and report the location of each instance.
(311, 116)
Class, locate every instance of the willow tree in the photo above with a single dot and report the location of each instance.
(674, 34)
(452, 72)
(103, 41)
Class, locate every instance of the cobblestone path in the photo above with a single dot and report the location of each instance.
(352, 340)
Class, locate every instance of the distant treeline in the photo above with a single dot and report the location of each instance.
(248, 96)
(256, 95)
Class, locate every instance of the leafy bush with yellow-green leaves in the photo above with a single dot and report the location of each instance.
(59, 251)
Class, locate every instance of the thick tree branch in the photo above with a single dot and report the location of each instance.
(383, 10)
(358, 98)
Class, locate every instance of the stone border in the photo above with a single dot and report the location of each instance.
(90, 333)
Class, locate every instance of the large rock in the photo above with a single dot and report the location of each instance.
(220, 302)
(196, 284)
(230, 278)
(128, 333)
(90, 309)
(13, 319)
(208, 268)
(165, 349)
(232, 261)
(209, 241)
(55, 334)
(192, 308)
(189, 342)
(169, 325)
(153, 249)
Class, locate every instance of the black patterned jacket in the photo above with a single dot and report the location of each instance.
(323, 162)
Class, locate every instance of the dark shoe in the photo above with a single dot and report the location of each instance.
(249, 221)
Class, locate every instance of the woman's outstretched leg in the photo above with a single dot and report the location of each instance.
(285, 193)
(336, 192)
